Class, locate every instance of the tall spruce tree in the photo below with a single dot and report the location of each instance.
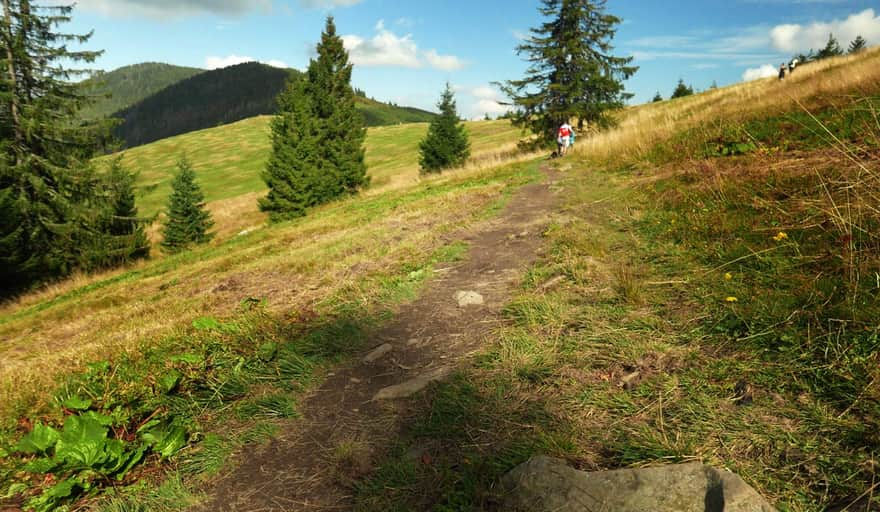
(125, 227)
(188, 221)
(572, 74)
(446, 144)
(317, 137)
(47, 184)
(832, 49)
(858, 44)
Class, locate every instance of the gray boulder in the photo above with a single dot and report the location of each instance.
(544, 484)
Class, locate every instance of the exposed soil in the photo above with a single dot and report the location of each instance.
(343, 429)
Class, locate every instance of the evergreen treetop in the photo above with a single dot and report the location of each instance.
(572, 72)
(446, 145)
(657, 98)
(682, 90)
(187, 221)
(832, 49)
(858, 44)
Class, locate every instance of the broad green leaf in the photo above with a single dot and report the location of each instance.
(101, 419)
(14, 489)
(268, 351)
(133, 459)
(82, 442)
(39, 440)
(41, 466)
(187, 358)
(48, 501)
(169, 381)
(206, 323)
(76, 403)
(166, 440)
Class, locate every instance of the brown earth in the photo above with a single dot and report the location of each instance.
(342, 428)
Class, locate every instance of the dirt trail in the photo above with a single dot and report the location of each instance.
(426, 340)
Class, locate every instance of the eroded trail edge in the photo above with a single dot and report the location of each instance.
(361, 404)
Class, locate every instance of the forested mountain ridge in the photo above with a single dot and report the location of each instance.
(211, 98)
(121, 88)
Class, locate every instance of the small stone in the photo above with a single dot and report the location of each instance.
(630, 380)
(378, 353)
(469, 298)
(355, 380)
(524, 234)
(412, 386)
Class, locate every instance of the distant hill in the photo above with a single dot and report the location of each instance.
(227, 95)
(123, 87)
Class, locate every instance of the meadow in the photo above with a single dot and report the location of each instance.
(708, 293)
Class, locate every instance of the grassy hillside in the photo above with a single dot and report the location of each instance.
(229, 160)
(211, 98)
(708, 292)
(123, 87)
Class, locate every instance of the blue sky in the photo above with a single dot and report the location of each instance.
(405, 51)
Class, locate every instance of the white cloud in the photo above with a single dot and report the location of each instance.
(443, 62)
(765, 71)
(173, 8)
(327, 4)
(800, 38)
(485, 100)
(389, 49)
(213, 62)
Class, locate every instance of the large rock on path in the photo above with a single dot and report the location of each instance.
(544, 484)
(412, 386)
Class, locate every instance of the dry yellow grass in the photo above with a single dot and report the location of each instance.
(642, 126)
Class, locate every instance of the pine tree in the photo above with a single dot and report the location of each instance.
(682, 90)
(446, 144)
(572, 74)
(832, 49)
(657, 98)
(318, 136)
(188, 222)
(858, 44)
(46, 179)
(125, 226)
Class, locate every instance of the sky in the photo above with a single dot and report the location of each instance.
(405, 51)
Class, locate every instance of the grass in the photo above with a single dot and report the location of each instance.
(693, 305)
(230, 159)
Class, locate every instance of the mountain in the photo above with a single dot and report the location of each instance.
(223, 96)
(123, 87)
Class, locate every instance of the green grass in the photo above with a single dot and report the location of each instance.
(237, 375)
(230, 159)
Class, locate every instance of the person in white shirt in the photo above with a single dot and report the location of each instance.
(563, 140)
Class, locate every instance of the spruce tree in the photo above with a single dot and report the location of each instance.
(317, 137)
(47, 184)
(858, 44)
(125, 226)
(657, 98)
(446, 144)
(832, 49)
(188, 221)
(572, 73)
(682, 90)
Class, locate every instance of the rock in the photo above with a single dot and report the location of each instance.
(411, 386)
(629, 381)
(544, 484)
(469, 299)
(549, 285)
(378, 353)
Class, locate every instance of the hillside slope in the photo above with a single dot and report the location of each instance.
(707, 291)
(224, 96)
(123, 87)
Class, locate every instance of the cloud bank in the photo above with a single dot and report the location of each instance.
(386, 48)
(801, 38)
(173, 8)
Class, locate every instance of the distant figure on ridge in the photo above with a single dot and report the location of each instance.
(564, 138)
(791, 65)
(782, 71)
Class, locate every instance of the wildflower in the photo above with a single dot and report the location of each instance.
(731, 299)
(782, 235)
(728, 276)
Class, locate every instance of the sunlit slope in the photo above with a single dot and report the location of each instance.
(229, 159)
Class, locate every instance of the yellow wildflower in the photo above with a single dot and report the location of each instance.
(782, 235)
(731, 299)
(728, 276)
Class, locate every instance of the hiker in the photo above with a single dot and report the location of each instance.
(782, 71)
(564, 138)
(791, 65)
